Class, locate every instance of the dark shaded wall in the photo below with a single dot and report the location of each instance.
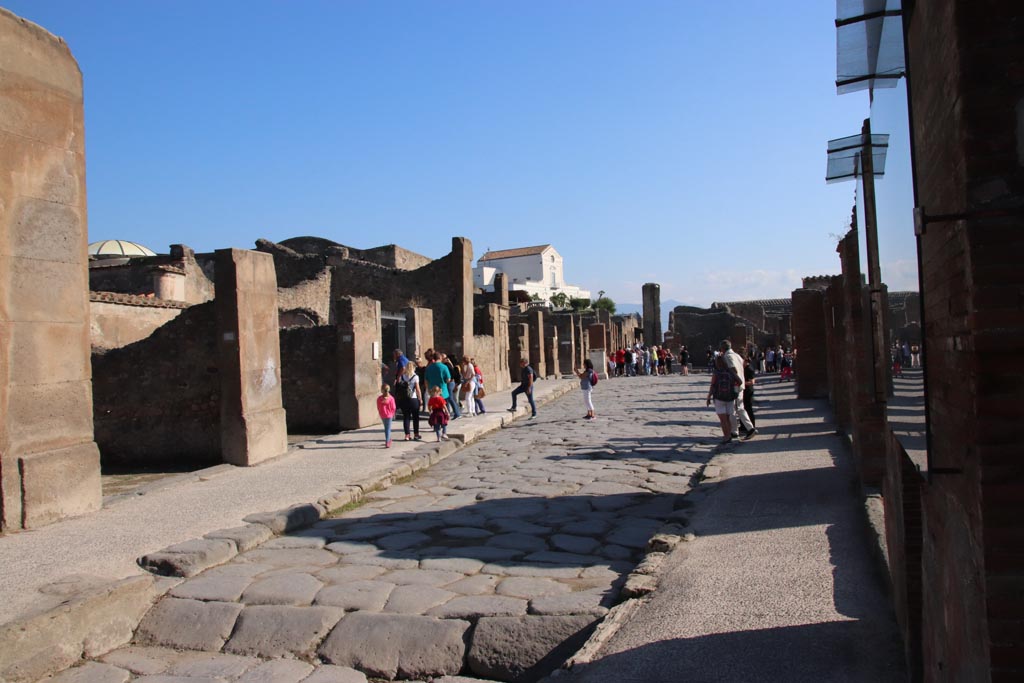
(309, 379)
(157, 401)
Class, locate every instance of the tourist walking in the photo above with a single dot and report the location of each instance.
(684, 360)
(588, 380)
(438, 419)
(468, 388)
(479, 393)
(409, 397)
(723, 390)
(386, 410)
(454, 382)
(437, 375)
(749, 378)
(734, 362)
(526, 379)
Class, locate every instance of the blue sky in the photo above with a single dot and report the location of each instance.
(676, 142)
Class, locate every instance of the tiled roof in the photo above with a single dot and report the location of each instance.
(135, 300)
(512, 253)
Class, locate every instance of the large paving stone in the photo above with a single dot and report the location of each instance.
(188, 624)
(277, 630)
(409, 539)
(285, 589)
(465, 532)
(583, 545)
(421, 577)
(506, 647)
(518, 526)
(485, 553)
(93, 672)
(392, 560)
(350, 572)
(473, 606)
(352, 547)
(524, 542)
(143, 661)
(611, 488)
(293, 542)
(580, 602)
(370, 596)
(290, 558)
(479, 584)
(218, 588)
(546, 571)
(634, 534)
(564, 559)
(212, 665)
(416, 599)
(335, 674)
(277, 671)
(530, 587)
(586, 527)
(397, 645)
(463, 565)
(367, 532)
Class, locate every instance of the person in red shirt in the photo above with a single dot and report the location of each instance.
(438, 408)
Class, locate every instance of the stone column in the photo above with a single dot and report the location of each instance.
(462, 292)
(252, 417)
(519, 347)
(49, 463)
(359, 360)
(567, 343)
(535, 319)
(652, 314)
(169, 283)
(501, 289)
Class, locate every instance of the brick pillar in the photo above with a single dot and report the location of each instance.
(535, 319)
(49, 463)
(568, 355)
(359, 360)
(811, 346)
(462, 292)
(252, 418)
(652, 313)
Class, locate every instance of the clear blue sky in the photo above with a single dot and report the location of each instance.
(677, 142)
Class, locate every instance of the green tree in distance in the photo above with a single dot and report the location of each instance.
(606, 304)
(560, 300)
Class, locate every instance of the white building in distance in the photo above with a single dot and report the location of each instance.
(534, 270)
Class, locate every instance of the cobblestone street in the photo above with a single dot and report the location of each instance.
(480, 565)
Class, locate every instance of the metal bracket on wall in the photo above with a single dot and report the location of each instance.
(922, 219)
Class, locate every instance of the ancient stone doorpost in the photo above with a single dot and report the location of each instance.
(252, 417)
(360, 358)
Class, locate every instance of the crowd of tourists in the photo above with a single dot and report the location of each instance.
(904, 354)
(640, 359)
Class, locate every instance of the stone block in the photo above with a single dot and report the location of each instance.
(189, 558)
(579, 603)
(416, 599)
(505, 648)
(396, 645)
(336, 674)
(284, 589)
(245, 537)
(93, 672)
(45, 417)
(211, 665)
(89, 623)
(474, 606)
(188, 624)
(366, 595)
(143, 661)
(280, 631)
(265, 434)
(213, 588)
(277, 671)
(60, 483)
(43, 291)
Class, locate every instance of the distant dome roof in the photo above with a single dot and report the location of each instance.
(115, 248)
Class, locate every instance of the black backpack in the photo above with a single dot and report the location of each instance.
(401, 389)
(725, 386)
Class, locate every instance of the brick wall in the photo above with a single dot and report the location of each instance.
(809, 339)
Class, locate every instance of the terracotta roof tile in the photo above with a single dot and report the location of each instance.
(513, 253)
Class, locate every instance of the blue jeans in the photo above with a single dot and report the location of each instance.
(529, 397)
(387, 428)
(453, 402)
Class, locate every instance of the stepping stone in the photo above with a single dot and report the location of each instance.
(271, 631)
(397, 645)
(369, 596)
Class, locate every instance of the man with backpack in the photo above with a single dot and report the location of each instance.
(734, 362)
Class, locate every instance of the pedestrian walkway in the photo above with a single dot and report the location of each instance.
(779, 583)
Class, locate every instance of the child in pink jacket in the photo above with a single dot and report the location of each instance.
(386, 408)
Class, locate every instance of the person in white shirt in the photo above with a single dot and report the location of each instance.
(735, 362)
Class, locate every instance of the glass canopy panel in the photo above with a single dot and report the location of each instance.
(869, 44)
(844, 157)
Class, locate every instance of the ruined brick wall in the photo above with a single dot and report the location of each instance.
(491, 345)
(966, 84)
(313, 297)
(116, 320)
(391, 256)
(157, 401)
(136, 275)
(699, 328)
(309, 379)
(810, 342)
(751, 312)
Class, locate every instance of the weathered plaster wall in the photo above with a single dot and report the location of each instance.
(116, 320)
(49, 464)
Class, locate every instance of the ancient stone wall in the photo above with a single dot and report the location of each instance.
(157, 401)
(312, 297)
(810, 343)
(136, 275)
(309, 379)
(49, 464)
(966, 89)
(491, 345)
(359, 361)
(116, 320)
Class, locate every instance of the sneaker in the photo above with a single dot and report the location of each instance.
(445, 438)
(751, 434)
(511, 410)
(532, 417)
(387, 444)
(734, 435)
(417, 438)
